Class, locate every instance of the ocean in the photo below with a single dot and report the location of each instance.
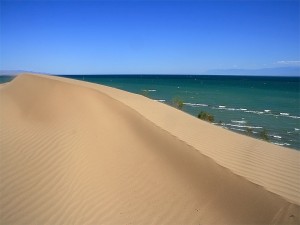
(261, 107)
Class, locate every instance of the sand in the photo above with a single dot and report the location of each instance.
(73, 152)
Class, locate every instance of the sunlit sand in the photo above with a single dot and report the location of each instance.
(73, 152)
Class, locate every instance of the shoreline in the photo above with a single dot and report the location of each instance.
(199, 96)
(243, 119)
(176, 142)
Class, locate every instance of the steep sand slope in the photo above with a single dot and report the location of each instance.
(275, 168)
(79, 153)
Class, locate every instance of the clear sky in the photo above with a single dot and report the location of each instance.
(173, 37)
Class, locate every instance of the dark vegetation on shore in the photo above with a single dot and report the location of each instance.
(206, 116)
(178, 103)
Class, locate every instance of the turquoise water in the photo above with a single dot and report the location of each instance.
(246, 105)
(4, 79)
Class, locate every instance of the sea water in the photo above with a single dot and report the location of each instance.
(245, 104)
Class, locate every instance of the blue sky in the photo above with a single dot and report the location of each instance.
(172, 37)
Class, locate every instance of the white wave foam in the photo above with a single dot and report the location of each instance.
(281, 144)
(194, 104)
(222, 107)
(276, 136)
(256, 112)
(150, 90)
(294, 117)
(238, 121)
(237, 129)
(296, 129)
(159, 100)
(267, 112)
(242, 126)
(284, 114)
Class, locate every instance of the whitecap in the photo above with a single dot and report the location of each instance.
(238, 121)
(235, 125)
(222, 107)
(296, 129)
(256, 112)
(276, 143)
(281, 144)
(276, 136)
(237, 129)
(159, 100)
(284, 114)
(267, 110)
(194, 104)
(294, 117)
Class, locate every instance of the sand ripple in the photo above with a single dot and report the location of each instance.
(79, 153)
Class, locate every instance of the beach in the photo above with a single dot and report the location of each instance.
(248, 105)
(74, 152)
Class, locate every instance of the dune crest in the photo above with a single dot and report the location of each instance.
(80, 153)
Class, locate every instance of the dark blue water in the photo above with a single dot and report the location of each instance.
(244, 104)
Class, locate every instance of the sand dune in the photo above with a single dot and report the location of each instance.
(80, 153)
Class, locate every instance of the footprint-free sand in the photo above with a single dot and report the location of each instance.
(73, 152)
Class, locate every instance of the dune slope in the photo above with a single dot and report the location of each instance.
(78, 153)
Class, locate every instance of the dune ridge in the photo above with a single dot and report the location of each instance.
(276, 168)
(79, 153)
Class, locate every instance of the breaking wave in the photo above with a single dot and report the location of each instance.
(243, 126)
(238, 121)
(194, 104)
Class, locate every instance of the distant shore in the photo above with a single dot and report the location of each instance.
(74, 152)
